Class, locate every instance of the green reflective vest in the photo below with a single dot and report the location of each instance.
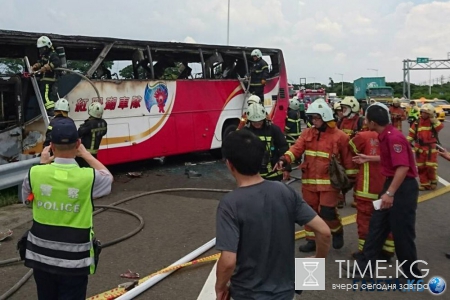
(60, 240)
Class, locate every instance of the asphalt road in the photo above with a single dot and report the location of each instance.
(177, 223)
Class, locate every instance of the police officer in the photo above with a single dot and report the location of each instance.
(398, 198)
(61, 112)
(273, 138)
(49, 60)
(91, 132)
(60, 247)
(259, 74)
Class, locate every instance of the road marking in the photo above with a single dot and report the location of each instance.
(443, 181)
(208, 291)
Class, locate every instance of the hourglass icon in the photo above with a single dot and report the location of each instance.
(310, 280)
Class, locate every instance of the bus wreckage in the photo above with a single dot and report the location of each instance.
(180, 98)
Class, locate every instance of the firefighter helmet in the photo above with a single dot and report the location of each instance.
(352, 103)
(429, 109)
(396, 101)
(256, 113)
(95, 110)
(337, 106)
(43, 41)
(294, 104)
(322, 109)
(372, 100)
(384, 107)
(257, 53)
(62, 105)
(253, 99)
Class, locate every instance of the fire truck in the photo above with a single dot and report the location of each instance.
(309, 95)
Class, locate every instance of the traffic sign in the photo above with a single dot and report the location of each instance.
(422, 60)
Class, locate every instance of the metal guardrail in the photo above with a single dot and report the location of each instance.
(12, 174)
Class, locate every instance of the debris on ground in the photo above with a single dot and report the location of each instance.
(135, 174)
(5, 234)
(130, 275)
(192, 174)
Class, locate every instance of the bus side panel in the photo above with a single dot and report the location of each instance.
(121, 153)
(279, 111)
(184, 132)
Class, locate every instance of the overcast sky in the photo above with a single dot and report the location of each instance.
(319, 38)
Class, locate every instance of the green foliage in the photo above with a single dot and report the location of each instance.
(169, 73)
(11, 65)
(83, 66)
(8, 196)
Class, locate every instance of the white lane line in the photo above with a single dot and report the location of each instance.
(209, 291)
(443, 181)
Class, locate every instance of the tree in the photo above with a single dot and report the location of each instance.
(83, 66)
(11, 65)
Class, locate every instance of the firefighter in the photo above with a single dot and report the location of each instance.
(337, 111)
(398, 115)
(302, 110)
(413, 113)
(318, 144)
(259, 74)
(367, 188)
(350, 123)
(61, 112)
(49, 60)
(273, 138)
(251, 100)
(293, 121)
(424, 134)
(91, 132)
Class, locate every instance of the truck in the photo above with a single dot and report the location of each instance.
(311, 95)
(366, 88)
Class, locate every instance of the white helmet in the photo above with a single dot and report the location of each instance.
(294, 104)
(95, 110)
(62, 105)
(322, 109)
(320, 100)
(257, 53)
(352, 103)
(253, 99)
(43, 41)
(256, 113)
(384, 107)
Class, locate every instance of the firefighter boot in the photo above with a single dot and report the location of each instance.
(338, 240)
(310, 246)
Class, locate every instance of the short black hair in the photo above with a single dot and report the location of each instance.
(377, 114)
(244, 150)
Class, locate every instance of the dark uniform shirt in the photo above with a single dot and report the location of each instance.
(91, 133)
(54, 61)
(257, 223)
(259, 71)
(395, 151)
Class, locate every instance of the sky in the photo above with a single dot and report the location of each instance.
(319, 38)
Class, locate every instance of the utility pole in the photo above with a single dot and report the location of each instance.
(228, 24)
(342, 83)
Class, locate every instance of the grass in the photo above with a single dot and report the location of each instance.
(9, 196)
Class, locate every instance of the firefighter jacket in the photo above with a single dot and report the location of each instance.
(350, 126)
(397, 116)
(53, 122)
(293, 125)
(318, 146)
(60, 240)
(275, 144)
(91, 133)
(259, 71)
(368, 182)
(50, 61)
(425, 134)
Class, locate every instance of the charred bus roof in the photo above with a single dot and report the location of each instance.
(17, 44)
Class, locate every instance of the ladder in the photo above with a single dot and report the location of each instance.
(38, 93)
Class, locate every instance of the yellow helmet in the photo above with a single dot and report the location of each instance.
(352, 103)
(396, 101)
(337, 106)
(429, 109)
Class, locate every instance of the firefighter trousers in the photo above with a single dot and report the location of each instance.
(48, 94)
(325, 205)
(401, 220)
(426, 161)
(364, 211)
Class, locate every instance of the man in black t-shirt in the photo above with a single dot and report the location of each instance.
(255, 227)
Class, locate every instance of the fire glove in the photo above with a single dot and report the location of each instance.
(263, 81)
(36, 67)
(286, 165)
